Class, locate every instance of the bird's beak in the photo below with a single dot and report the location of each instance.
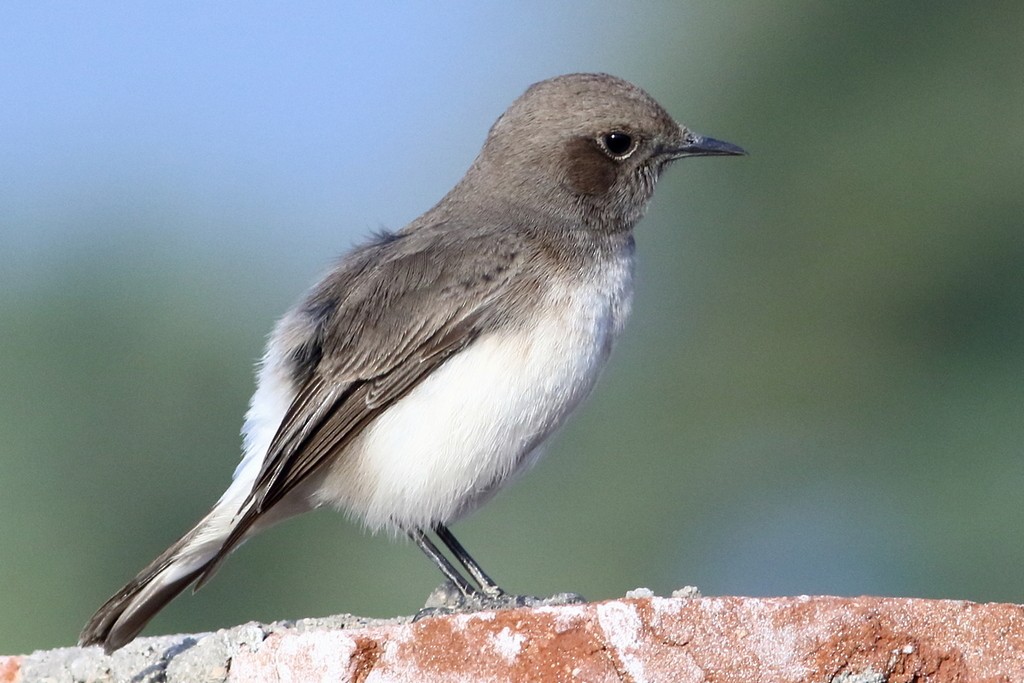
(694, 145)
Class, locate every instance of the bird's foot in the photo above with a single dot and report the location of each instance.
(448, 599)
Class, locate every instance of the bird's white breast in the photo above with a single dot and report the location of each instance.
(481, 416)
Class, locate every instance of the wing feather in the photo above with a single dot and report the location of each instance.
(367, 356)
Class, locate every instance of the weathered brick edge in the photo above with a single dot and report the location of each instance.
(726, 640)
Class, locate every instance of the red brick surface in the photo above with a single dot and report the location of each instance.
(725, 640)
(719, 640)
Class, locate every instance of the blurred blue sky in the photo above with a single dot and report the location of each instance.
(292, 114)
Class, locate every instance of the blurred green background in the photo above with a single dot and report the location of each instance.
(820, 391)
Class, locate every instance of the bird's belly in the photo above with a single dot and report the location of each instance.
(476, 420)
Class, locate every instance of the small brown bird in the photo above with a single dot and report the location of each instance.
(428, 368)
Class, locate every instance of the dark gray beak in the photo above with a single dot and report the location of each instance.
(695, 145)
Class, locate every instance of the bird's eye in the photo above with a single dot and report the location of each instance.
(618, 144)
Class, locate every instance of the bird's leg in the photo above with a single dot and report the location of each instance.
(452, 574)
(486, 583)
(458, 594)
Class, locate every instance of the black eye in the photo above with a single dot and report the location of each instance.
(618, 143)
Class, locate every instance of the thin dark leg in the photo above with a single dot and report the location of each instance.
(487, 584)
(431, 551)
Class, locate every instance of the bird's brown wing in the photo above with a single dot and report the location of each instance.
(390, 326)
(327, 414)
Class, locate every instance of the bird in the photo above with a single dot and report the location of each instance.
(427, 369)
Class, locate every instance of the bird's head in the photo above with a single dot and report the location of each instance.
(588, 146)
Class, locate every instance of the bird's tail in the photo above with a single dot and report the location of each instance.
(196, 555)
